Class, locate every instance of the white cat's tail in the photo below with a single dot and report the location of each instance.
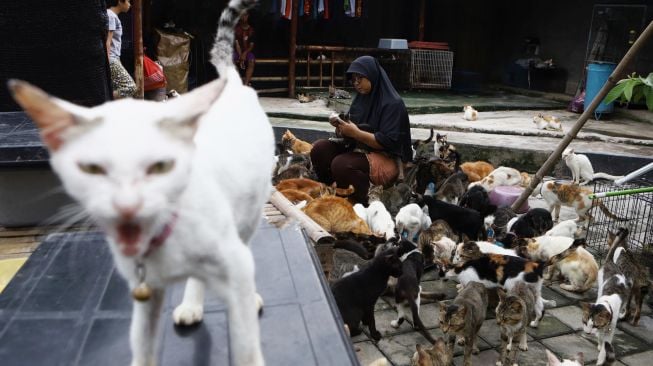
(222, 52)
(606, 176)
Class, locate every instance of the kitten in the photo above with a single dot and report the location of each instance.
(441, 141)
(313, 188)
(296, 145)
(435, 243)
(547, 122)
(515, 311)
(336, 214)
(501, 176)
(296, 196)
(581, 168)
(572, 195)
(568, 228)
(407, 290)
(553, 360)
(379, 220)
(476, 170)
(437, 355)
(462, 220)
(411, 219)
(393, 198)
(478, 199)
(470, 114)
(496, 223)
(173, 203)
(357, 293)
(453, 188)
(535, 222)
(464, 317)
(567, 257)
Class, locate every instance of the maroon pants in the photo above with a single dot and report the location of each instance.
(333, 163)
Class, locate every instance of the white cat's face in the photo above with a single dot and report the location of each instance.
(126, 162)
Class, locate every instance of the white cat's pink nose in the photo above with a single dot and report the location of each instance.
(127, 210)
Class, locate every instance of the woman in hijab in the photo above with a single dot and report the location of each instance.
(378, 121)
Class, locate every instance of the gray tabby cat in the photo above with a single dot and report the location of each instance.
(515, 311)
(464, 317)
(438, 355)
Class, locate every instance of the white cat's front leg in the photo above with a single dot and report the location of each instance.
(191, 309)
(239, 293)
(143, 330)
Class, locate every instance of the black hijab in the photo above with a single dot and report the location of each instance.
(382, 109)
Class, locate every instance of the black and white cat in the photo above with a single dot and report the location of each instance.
(174, 204)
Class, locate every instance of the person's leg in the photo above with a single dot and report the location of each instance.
(322, 154)
(122, 83)
(250, 68)
(352, 169)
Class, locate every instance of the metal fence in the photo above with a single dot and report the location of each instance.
(430, 69)
(636, 208)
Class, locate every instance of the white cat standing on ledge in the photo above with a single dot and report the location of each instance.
(161, 180)
(581, 168)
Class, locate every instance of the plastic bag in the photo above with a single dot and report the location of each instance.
(153, 75)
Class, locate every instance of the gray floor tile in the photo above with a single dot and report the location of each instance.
(572, 316)
(569, 345)
(366, 352)
(549, 327)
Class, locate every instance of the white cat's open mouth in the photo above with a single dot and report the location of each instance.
(129, 234)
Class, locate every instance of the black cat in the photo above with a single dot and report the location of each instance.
(535, 222)
(478, 199)
(463, 221)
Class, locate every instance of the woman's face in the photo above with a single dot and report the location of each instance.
(362, 84)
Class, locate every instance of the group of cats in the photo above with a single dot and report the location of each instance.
(441, 217)
(542, 121)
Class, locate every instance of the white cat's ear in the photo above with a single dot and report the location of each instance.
(190, 107)
(553, 360)
(54, 117)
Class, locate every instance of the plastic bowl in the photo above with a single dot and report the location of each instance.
(505, 196)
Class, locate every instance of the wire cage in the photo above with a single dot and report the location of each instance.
(430, 69)
(636, 208)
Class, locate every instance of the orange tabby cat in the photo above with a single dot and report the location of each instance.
(296, 145)
(296, 196)
(336, 214)
(313, 188)
(476, 170)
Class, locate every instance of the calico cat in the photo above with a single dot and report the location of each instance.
(336, 214)
(407, 290)
(553, 360)
(535, 222)
(432, 171)
(173, 203)
(435, 243)
(437, 355)
(462, 220)
(357, 293)
(547, 122)
(464, 317)
(567, 257)
(572, 195)
(453, 188)
(313, 188)
(450, 155)
(496, 223)
(412, 219)
(470, 114)
(515, 311)
(476, 170)
(581, 168)
(478, 199)
(297, 146)
(470, 250)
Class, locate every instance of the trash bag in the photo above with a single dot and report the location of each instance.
(173, 50)
(577, 104)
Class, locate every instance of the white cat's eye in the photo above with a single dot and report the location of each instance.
(94, 169)
(161, 167)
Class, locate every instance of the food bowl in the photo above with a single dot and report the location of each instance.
(505, 196)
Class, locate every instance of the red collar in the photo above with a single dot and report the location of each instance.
(158, 240)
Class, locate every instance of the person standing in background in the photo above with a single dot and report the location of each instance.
(122, 83)
(244, 57)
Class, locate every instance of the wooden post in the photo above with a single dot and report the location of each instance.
(313, 230)
(293, 49)
(137, 17)
(422, 11)
(609, 84)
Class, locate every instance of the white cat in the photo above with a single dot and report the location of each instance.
(553, 360)
(484, 247)
(161, 180)
(568, 228)
(501, 176)
(470, 114)
(543, 122)
(379, 220)
(361, 211)
(411, 219)
(581, 168)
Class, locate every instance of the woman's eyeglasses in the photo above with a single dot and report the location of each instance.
(356, 78)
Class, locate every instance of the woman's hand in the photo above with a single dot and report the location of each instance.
(348, 129)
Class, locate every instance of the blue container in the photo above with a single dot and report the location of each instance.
(597, 75)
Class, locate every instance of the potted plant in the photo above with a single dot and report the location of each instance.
(633, 88)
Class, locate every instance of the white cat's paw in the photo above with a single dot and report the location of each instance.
(534, 324)
(509, 347)
(549, 303)
(394, 324)
(498, 363)
(515, 364)
(188, 314)
(523, 347)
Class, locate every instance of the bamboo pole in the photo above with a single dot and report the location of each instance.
(293, 49)
(313, 230)
(609, 84)
(137, 16)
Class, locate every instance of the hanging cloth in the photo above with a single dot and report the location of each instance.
(327, 13)
(359, 8)
(308, 7)
(286, 9)
(350, 8)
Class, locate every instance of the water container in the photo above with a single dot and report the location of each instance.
(597, 75)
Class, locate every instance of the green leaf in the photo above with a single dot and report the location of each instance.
(649, 80)
(638, 93)
(615, 93)
(628, 91)
(649, 98)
